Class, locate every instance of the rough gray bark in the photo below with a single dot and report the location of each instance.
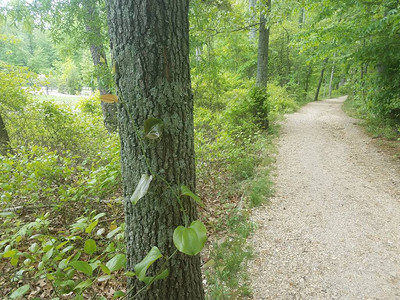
(263, 46)
(151, 51)
(321, 77)
(99, 60)
(4, 138)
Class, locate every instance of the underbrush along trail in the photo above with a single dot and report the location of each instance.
(332, 230)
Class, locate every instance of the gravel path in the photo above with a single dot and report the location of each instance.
(332, 231)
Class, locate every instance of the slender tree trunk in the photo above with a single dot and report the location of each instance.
(263, 47)
(4, 138)
(151, 51)
(253, 30)
(308, 75)
(199, 53)
(331, 79)
(320, 79)
(100, 62)
(302, 17)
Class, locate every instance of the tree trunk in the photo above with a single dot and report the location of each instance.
(100, 62)
(253, 30)
(263, 46)
(320, 79)
(308, 75)
(302, 17)
(331, 80)
(4, 138)
(151, 51)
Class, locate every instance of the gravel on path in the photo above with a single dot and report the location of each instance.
(332, 230)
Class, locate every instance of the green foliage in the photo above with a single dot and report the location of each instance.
(226, 276)
(70, 81)
(31, 251)
(190, 240)
(91, 105)
(58, 127)
(13, 81)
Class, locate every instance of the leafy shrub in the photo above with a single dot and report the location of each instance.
(72, 262)
(279, 100)
(91, 105)
(59, 127)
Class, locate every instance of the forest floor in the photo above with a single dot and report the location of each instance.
(332, 229)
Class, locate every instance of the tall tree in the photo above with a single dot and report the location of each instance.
(263, 47)
(99, 58)
(321, 77)
(150, 46)
(4, 138)
(81, 21)
(252, 9)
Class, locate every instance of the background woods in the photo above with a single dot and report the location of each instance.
(213, 77)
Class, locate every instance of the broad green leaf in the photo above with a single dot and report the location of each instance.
(84, 284)
(47, 255)
(114, 232)
(10, 253)
(64, 263)
(65, 250)
(98, 216)
(116, 263)
(130, 274)
(162, 275)
(50, 276)
(82, 266)
(91, 226)
(61, 245)
(118, 294)
(190, 240)
(185, 191)
(151, 257)
(105, 269)
(7, 214)
(104, 278)
(141, 188)
(14, 261)
(153, 128)
(90, 246)
(19, 292)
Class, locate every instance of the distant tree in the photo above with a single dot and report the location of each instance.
(263, 46)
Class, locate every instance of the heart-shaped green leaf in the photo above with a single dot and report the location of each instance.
(185, 191)
(116, 263)
(190, 240)
(153, 128)
(151, 257)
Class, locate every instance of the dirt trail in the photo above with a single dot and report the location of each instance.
(332, 231)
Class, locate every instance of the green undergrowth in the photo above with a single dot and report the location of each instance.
(60, 188)
(375, 125)
(234, 163)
